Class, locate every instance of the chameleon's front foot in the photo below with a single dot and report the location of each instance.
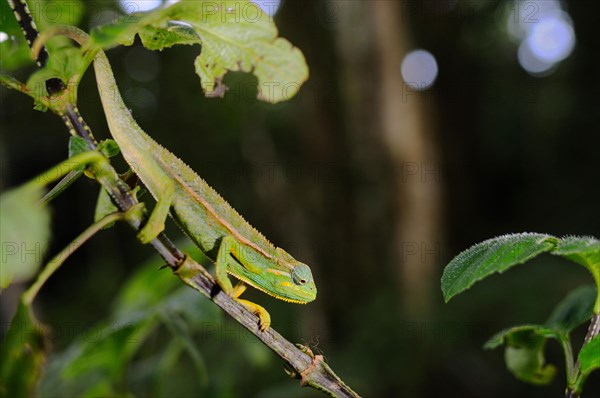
(150, 231)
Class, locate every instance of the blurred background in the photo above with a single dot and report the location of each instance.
(425, 127)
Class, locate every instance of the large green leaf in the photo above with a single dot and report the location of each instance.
(589, 356)
(493, 255)
(22, 354)
(24, 233)
(234, 35)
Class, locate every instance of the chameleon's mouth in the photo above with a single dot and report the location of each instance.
(283, 298)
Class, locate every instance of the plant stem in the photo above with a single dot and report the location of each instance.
(574, 390)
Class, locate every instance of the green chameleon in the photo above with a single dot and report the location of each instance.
(217, 229)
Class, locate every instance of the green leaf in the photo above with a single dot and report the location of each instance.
(524, 357)
(589, 356)
(573, 310)
(104, 206)
(524, 353)
(492, 256)
(22, 354)
(584, 250)
(24, 233)
(234, 35)
(505, 335)
(77, 145)
(160, 38)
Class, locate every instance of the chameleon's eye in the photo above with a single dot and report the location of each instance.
(301, 274)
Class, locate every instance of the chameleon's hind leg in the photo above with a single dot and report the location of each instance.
(156, 222)
(230, 246)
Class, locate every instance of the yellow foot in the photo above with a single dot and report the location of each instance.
(264, 319)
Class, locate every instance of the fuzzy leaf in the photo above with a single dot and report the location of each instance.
(584, 250)
(492, 256)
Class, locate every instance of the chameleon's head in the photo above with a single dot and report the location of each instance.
(297, 285)
(303, 288)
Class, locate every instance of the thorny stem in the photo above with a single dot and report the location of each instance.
(312, 370)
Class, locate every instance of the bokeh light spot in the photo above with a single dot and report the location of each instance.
(419, 69)
(553, 38)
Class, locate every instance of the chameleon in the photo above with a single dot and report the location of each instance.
(236, 247)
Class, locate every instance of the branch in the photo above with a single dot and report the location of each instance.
(311, 369)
